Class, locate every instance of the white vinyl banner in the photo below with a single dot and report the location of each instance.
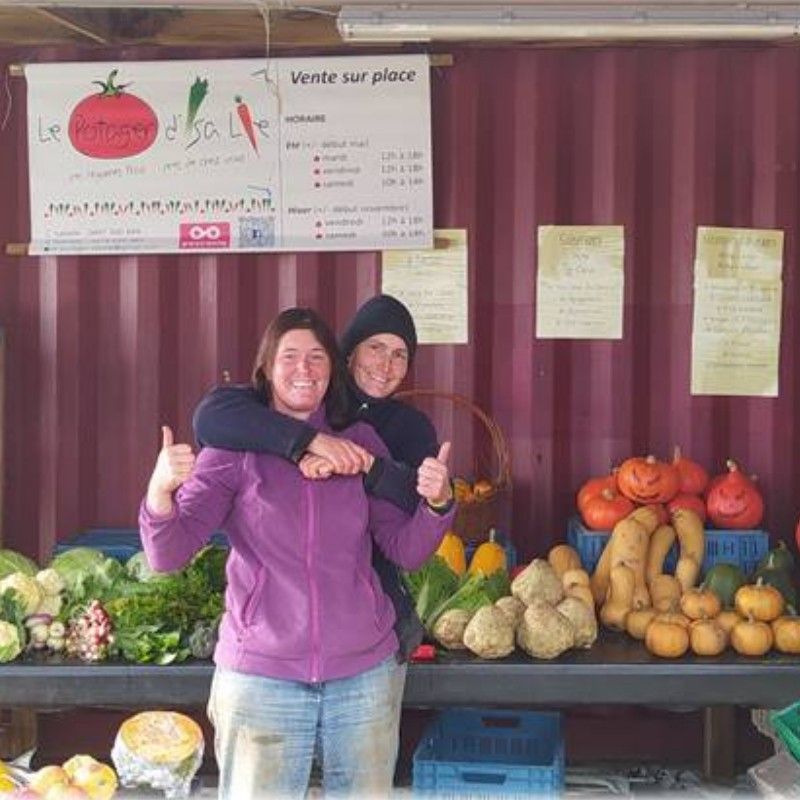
(237, 155)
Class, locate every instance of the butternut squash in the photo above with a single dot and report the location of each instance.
(647, 516)
(576, 584)
(629, 547)
(602, 573)
(451, 549)
(665, 592)
(574, 577)
(687, 571)
(582, 593)
(619, 603)
(691, 534)
(489, 558)
(660, 543)
(563, 558)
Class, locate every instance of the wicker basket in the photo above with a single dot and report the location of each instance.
(474, 519)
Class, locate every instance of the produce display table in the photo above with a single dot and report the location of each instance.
(616, 670)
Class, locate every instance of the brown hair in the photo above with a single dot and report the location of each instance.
(304, 319)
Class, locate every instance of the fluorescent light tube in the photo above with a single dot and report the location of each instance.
(567, 22)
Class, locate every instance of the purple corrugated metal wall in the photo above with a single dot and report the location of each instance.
(658, 139)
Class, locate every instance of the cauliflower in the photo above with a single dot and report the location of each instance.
(50, 604)
(50, 581)
(29, 593)
(10, 645)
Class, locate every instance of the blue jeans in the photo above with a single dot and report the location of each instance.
(267, 731)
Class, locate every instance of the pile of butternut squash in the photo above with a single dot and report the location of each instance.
(670, 613)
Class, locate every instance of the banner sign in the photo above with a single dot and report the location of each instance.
(236, 155)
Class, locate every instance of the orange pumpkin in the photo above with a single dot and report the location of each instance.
(603, 511)
(734, 501)
(693, 477)
(594, 486)
(648, 480)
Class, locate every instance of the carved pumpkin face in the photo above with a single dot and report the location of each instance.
(647, 480)
(734, 501)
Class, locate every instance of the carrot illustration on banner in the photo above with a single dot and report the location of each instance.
(246, 119)
(197, 93)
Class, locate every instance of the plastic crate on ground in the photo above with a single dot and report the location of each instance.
(786, 724)
(744, 548)
(119, 543)
(474, 753)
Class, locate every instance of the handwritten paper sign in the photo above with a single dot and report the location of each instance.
(737, 312)
(580, 282)
(234, 155)
(433, 284)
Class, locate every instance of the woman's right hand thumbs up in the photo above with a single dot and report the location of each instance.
(173, 467)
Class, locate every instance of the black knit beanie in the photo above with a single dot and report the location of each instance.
(380, 314)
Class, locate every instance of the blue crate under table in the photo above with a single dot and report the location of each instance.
(471, 753)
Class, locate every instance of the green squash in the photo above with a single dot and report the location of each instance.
(780, 557)
(724, 580)
(781, 579)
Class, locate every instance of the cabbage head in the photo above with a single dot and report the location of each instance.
(76, 564)
(29, 593)
(138, 568)
(11, 561)
(10, 644)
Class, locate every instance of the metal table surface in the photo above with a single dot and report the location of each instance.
(616, 670)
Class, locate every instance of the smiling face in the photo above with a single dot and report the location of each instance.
(379, 364)
(300, 374)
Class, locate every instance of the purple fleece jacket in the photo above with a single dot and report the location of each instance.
(303, 602)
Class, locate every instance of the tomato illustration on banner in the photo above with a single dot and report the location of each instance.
(112, 123)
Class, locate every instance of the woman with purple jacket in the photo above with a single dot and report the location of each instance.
(306, 653)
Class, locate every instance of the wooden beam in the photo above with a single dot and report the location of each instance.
(69, 25)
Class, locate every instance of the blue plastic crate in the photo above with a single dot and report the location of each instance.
(119, 543)
(744, 548)
(468, 752)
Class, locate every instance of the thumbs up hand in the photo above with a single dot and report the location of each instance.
(433, 478)
(173, 467)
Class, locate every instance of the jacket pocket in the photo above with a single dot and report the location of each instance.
(251, 605)
(374, 597)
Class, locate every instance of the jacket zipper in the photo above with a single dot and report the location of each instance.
(312, 585)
